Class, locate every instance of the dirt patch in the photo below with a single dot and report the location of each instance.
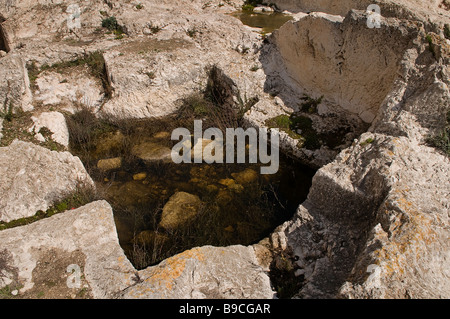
(153, 45)
(51, 277)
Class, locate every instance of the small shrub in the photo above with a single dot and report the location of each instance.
(431, 47)
(139, 6)
(154, 28)
(192, 32)
(247, 7)
(151, 75)
(8, 114)
(310, 105)
(112, 25)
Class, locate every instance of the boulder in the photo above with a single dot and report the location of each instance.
(33, 178)
(205, 273)
(56, 123)
(374, 224)
(181, 209)
(58, 251)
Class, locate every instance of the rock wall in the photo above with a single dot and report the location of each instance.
(375, 222)
(331, 7)
(430, 13)
(361, 64)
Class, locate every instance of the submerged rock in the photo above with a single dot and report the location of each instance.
(231, 185)
(152, 152)
(140, 176)
(109, 143)
(247, 176)
(181, 208)
(109, 164)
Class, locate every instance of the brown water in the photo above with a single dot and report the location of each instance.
(236, 204)
(268, 22)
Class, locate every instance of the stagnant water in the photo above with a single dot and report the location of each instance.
(268, 22)
(229, 203)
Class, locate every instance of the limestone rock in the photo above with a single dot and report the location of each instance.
(69, 90)
(181, 209)
(372, 226)
(429, 12)
(205, 272)
(56, 123)
(14, 85)
(45, 253)
(32, 178)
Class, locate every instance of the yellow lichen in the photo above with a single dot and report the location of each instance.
(166, 274)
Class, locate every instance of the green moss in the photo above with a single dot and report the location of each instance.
(81, 197)
(247, 7)
(367, 142)
(309, 138)
(284, 123)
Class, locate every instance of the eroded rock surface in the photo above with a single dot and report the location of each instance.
(375, 224)
(33, 178)
(85, 237)
(205, 272)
